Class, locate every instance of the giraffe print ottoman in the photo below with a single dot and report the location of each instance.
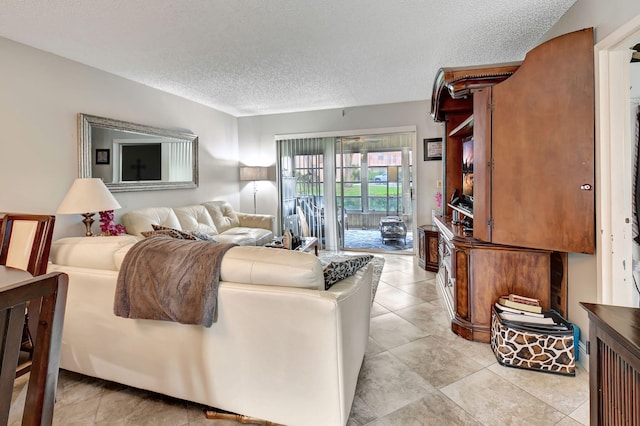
(515, 345)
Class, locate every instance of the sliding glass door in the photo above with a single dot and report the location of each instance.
(331, 187)
(375, 182)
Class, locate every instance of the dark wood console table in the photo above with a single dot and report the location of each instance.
(614, 364)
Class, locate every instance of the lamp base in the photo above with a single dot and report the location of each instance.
(88, 221)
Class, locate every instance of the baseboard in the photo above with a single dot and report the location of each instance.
(583, 357)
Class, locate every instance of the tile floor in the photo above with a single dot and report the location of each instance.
(415, 372)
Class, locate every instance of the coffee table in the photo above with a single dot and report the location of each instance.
(308, 243)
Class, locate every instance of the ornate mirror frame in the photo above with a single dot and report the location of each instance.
(87, 159)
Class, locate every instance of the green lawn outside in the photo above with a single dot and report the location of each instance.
(374, 190)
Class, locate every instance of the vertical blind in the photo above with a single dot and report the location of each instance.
(306, 178)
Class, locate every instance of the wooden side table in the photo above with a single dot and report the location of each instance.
(428, 248)
(614, 364)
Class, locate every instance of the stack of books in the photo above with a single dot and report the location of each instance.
(527, 311)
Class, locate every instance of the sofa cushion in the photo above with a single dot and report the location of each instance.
(269, 266)
(246, 236)
(222, 214)
(339, 269)
(140, 220)
(92, 252)
(195, 218)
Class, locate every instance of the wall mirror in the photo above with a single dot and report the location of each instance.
(135, 157)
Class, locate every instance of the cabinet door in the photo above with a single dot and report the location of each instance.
(422, 256)
(542, 143)
(431, 247)
(482, 164)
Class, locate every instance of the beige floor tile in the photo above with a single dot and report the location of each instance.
(494, 401)
(427, 316)
(424, 290)
(582, 414)
(386, 384)
(400, 278)
(377, 309)
(393, 299)
(568, 421)
(433, 409)
(432, 360)
(373, 348)
(478, 351)
(390, 331)
(361, 413)
(564, 393)
(78, 412)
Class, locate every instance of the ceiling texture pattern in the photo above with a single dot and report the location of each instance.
(254, 57)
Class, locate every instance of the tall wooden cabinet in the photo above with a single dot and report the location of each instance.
(532, 126)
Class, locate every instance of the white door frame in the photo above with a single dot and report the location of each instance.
(614, 170)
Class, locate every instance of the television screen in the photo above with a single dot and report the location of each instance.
(467, 169)
(141, 162)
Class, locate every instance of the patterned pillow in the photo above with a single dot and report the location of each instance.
(179, 234)
(184, 235)
(338, 270)
(166, 232)
(201, 236)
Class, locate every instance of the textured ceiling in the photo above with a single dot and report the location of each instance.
(252, 57)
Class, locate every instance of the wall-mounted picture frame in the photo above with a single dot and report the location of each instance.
(432, 149)
(103, 156)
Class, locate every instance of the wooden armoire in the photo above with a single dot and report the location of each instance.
(532, 130)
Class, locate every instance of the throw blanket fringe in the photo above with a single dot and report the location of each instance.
(169, 279)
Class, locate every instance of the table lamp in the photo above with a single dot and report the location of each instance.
(86, 197)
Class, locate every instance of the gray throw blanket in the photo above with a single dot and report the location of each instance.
(169, 279)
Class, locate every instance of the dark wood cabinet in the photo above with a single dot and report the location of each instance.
(475, 274)
(614, 364)
(428, 248)
(533, 136)
(532, 127)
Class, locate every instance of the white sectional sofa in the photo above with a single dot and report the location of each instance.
(282, 349)
(217, 219)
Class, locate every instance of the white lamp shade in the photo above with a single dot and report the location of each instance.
(254, 173)
(87, 195)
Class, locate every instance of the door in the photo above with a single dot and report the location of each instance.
(374, 181)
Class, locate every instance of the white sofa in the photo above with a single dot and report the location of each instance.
(215, 218)
(283, 349)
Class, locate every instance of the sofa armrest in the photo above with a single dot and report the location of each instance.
(250, 220)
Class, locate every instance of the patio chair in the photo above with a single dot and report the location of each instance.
(393, 228)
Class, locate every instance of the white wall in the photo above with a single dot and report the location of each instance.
(257, 145)
(605, 16)
(40, 97)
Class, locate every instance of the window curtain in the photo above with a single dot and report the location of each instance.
(306, 188)
(180, 163)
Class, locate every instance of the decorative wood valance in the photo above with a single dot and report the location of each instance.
(457, 83)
